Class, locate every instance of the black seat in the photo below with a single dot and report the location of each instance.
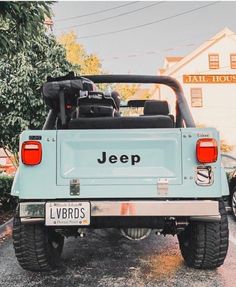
(96, 104)
(93, 111)
(156, 107)
(121, 123)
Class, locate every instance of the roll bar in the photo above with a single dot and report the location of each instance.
(182, 109)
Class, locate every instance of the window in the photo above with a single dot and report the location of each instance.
(213, 61)
(196, 97)
(233, 61)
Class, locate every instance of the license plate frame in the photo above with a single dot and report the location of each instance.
(67, 213)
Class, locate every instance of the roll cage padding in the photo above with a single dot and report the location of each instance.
(51, 89)
(62, 91)
(147, 122)
(71, 88)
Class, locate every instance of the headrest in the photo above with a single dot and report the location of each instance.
(155, 107)
(96, 98)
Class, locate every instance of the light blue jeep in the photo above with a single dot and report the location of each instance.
(91, 167)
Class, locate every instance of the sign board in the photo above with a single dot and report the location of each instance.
(210, 79)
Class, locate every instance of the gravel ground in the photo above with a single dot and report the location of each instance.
(105, 258)
(5, 216)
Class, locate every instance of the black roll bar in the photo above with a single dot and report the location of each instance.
(182, 109)
(50, 120)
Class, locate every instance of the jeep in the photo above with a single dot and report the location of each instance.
(92, 167)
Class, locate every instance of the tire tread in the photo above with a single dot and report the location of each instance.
(31, 246)
(204, 245)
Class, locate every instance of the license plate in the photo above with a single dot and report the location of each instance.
(67, 213)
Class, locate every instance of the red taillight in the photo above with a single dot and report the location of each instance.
(31, 152)
(207, 150)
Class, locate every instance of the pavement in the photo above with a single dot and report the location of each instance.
(105, 258)
(6, 229)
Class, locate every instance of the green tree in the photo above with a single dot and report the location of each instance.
(21, 77)
(20, 22)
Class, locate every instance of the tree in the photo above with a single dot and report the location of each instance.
(225, 147)
(21, 77)
(126, 91)
(87, 64)
(21, 22)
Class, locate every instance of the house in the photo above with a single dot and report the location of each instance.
(144, 93)
(6, 164)
(208, 78)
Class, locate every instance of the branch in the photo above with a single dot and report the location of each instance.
(16, 157)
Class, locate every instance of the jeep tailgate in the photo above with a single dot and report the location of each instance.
(119, 157)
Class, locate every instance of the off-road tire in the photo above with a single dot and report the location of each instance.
(204, 245)
(37, 247)
(233, 202)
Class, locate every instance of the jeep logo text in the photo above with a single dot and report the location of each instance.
(123, 158)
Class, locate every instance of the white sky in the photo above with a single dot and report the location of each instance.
(142, 50)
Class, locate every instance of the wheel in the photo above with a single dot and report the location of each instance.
(233, 202)
(37, 247)
(204, 245)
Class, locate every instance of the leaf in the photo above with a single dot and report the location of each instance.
(21, 76)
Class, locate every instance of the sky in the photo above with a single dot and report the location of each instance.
(135, 37)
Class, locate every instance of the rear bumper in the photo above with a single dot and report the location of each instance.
(204, 210)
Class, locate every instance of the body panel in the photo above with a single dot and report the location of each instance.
(155, 155)
(157, 176)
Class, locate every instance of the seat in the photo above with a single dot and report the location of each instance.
(156, 107)
(94, 111)
(96, 104)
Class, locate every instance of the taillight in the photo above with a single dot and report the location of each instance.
(206, 150)
(31, 152)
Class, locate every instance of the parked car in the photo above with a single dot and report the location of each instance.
(229, 163)
(90, 167)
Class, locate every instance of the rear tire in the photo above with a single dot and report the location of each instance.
(204, 245)
(37, 247)
(233, 202)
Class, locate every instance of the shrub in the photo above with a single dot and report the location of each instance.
(6, 200)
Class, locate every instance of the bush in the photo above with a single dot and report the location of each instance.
(7, 202)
